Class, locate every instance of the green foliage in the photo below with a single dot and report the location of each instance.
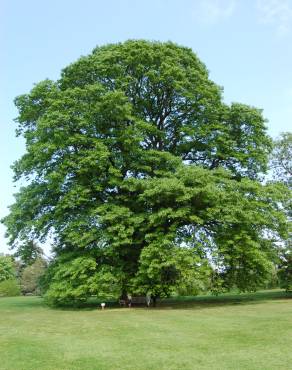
(47, 277)
(76, 279)
(165, 269)
(7, 268)
(9, 288)
(31, 275)
(29, 252)
(72, 281)
(247, 261)
(134, 161)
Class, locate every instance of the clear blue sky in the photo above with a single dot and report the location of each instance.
(246, 45)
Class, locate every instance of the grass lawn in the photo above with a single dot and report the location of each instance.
(227, 332)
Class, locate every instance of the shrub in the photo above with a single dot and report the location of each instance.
(9, 288)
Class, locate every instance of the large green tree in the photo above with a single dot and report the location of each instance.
(143, 175)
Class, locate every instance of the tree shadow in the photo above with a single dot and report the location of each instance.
(187, 302)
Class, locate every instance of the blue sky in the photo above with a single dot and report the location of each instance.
(246, 45)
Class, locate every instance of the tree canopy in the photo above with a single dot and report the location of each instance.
(144, 177)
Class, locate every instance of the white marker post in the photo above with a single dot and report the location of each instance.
(102, 306)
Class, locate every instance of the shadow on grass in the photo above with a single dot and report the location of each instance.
(193, 302)
(209, 301)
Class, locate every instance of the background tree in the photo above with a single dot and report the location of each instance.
(31, 276)
(144, 175)
(29, 252)
(7, 268)
(282, 171)
(282, 159)
(285, 269)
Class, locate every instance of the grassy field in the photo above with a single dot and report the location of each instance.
(226, 332)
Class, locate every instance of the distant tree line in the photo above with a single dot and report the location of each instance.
(22, 272)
